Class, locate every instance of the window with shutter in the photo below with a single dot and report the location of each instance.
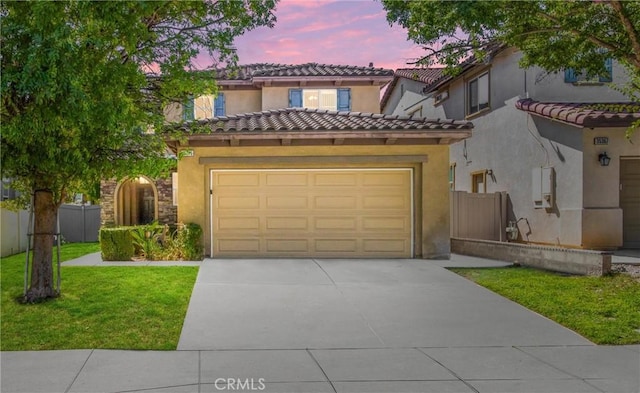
(219, 105)
(330, 99)
(572, 76)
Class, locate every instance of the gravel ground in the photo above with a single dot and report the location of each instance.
(632, 270)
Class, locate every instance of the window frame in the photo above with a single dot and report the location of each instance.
(468, 83)
(474, 184)
(296, 98)
(452, 176)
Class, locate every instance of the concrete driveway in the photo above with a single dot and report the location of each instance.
(366, 304)
(342, 326)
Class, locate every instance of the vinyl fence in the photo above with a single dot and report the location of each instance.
(78, 224)
(478, 216)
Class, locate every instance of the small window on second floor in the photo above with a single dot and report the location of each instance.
(478, 94)
(580, 77)
(330, 99)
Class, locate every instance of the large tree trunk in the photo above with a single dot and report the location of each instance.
(42, 283)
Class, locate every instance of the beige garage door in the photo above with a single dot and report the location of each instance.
(312, 213)
(630, 201)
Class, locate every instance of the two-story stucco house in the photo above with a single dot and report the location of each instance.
(297, 161)
(555, 142)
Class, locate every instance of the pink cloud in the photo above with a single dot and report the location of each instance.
(338, 32)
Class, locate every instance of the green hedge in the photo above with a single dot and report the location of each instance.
(116, 244)
(189, 237)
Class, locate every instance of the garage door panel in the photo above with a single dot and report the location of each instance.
(386, 202)
(384, 245)
(286, 179)
(242, 246)
(384, 179)
(287, 202)
(238, 179)
(336, 245)
(287, 245)
(306, 213)
(287, 223)
(237, 202)
(335, 179)
(231, 223)
(395, 224)
(335, 202)
(336, 223)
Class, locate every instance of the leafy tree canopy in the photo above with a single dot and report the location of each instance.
(551, 34)
(77, 98)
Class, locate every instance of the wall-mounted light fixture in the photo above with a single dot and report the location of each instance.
(604, 159)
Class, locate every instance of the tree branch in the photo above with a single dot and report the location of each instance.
(630, 29)
(593, 39)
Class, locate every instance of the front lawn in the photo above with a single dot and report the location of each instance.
(100, 307)
(605, 310)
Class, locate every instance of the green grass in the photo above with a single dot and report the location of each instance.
(605, 310)
(100, 307)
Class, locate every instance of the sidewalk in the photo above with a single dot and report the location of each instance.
(558, 369)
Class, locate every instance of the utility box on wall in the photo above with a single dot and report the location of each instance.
(543, 187)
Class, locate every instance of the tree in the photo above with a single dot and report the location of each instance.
(551, 34)
(78, 102)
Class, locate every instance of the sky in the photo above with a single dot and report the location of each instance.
(345, 32)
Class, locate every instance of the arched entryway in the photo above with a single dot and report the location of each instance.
(136, 202)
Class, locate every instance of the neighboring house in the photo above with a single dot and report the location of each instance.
(297, 161)
(555, 142)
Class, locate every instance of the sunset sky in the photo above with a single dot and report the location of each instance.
(347, 32)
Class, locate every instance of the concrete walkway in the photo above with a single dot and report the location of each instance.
(342, 326)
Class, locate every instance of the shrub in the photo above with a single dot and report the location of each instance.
(188, 237)
(146, 239)
(116, 244)
(153, 242)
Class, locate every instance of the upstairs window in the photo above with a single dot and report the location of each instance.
(203, 107)
(188, 109)
(478, 94)
(329, 99)
(573, 76)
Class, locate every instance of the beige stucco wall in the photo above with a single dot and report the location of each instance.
(602, 216)
(363, 98)
(431, 193)
(242, 101)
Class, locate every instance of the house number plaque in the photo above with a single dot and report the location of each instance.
(601, 140)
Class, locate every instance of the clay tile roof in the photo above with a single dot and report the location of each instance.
(424, 75)
(300, 119)
(428, 76)
(316, 69)
(588, 115)
(274, 70)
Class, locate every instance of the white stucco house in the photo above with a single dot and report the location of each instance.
(557, 143)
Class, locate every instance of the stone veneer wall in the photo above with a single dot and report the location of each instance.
(107, 196)
(167, 213)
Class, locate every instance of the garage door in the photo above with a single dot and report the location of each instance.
(630, 202)
(312, 213)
